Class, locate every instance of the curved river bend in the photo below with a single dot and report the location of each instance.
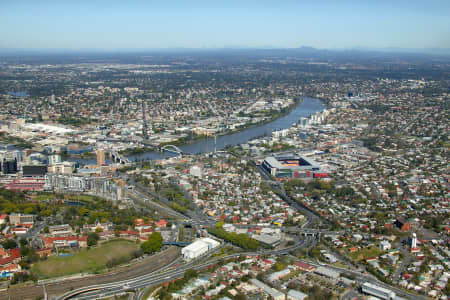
(308, 107)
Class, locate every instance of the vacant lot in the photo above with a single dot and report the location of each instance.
(366, 253)
(90, 260)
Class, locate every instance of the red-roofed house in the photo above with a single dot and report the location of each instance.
(353, 249)
(13, 257)
(3, 218)
(44, 252)
(304, 266)
(161, 223)
(146, 232)
(3, 253)
(14, 253)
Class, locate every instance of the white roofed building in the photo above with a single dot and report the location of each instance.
(199, 247)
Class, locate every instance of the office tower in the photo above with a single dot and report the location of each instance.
(100, 157)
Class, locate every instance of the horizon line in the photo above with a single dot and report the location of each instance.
(398, 50)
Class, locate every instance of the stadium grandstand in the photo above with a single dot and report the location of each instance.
(293, 166)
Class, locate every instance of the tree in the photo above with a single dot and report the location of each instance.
(278, 266)
(220, 224)
(241, 297)
(9, 244)
(153, 244)
(83, 211)
(189, 274)
(92, 238)
(23, 242)
(447, 289)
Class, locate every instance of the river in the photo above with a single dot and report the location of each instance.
(306, 108)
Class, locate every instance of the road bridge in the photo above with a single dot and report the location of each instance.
(172, 149)
(116, 157)
(179, 244)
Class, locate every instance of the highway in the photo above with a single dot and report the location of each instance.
(311, 217)
(104, 290)
(137, 195)
(293, 229)
(157, 277)
(362, 278)
(162, 276)
(167, 274)
(196, 217)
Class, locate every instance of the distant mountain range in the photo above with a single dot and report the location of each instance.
(438, 51)
(238, 49)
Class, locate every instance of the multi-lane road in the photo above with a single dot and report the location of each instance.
(155, 278)
(168, 273)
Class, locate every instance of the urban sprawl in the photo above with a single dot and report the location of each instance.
(113, 182)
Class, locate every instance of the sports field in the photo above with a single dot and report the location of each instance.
(90, 260)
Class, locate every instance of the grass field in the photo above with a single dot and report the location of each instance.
(90, 260)
(366, 253)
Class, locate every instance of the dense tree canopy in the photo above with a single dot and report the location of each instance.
(153, 244)
(92, 238)
(241, 240)
(9, 244)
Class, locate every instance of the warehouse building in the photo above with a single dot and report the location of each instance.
(293, 166)
(377, 291)
(327, 272)
(199, 247)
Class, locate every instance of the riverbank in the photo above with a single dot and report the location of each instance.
(306, 108)
(274, 115)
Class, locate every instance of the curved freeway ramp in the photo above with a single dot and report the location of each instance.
(110, 289)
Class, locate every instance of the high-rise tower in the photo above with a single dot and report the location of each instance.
(100, 157)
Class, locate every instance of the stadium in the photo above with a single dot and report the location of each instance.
(294, 166)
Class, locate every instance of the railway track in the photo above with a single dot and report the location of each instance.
(148, 265)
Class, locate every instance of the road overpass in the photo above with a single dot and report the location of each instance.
(103, 290)
(156, 278)
(116, 157)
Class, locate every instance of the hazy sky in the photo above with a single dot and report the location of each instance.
(111, 24)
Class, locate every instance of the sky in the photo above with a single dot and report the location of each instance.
(152, 24)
